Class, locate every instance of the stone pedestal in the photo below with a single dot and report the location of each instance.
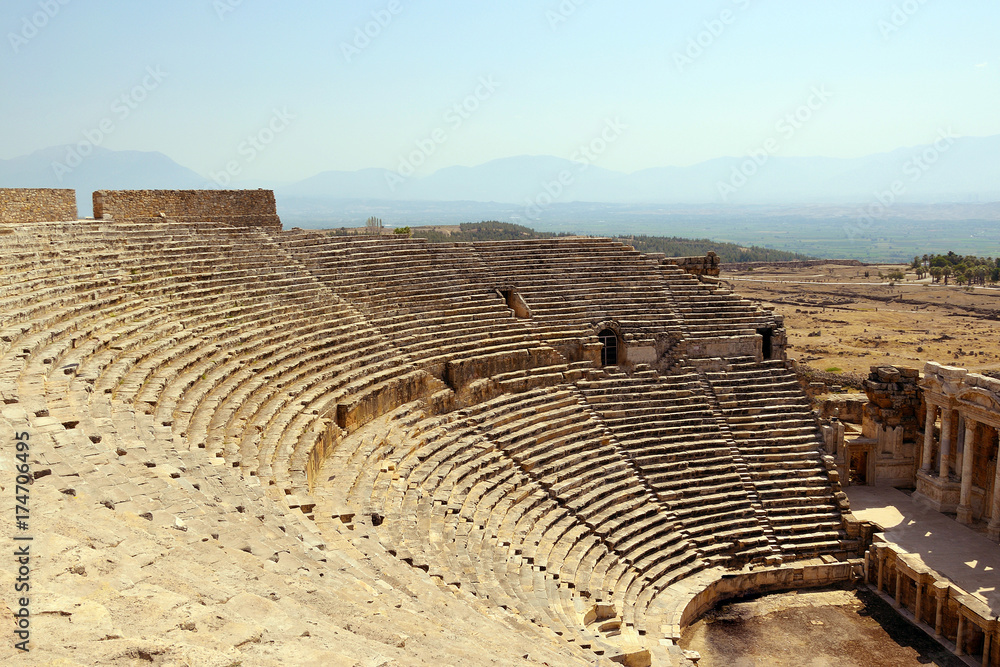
(940, 495)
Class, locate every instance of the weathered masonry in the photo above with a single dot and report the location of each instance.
(566, 439)
(37, 205)
(958, 470)
(239, 208)
(960, 621)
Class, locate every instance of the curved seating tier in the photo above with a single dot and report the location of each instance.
(573, 284)
(671, 434)
(774, 429)
(708, 310)
(434, 301)
(377, 398)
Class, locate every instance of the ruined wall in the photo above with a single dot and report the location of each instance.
(894, 399)
(892, 418)
(241, 208)
(707, 265)
(37, 205)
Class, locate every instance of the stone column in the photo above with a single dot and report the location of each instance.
(897, 603)
(929, 437)
(918, 606)
(993, 530)
(881, 566)
(958, 635)
(959, 445)
(941, 594)
(965, 496)
(945, 448)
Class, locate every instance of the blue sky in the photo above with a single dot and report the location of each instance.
(688, 81)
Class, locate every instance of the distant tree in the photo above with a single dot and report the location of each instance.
(980, 275)
(921, 272)
(373, 225)
(915, 264)
(403, 231)
(960, 278)
(896, 275)
(937, 272)
(945, 272)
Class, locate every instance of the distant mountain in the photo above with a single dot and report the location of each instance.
(101, 169)
(951, 170)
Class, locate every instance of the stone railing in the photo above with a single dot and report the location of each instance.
(961, 622)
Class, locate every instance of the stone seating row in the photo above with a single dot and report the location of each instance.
(776, 434)
(671, 434)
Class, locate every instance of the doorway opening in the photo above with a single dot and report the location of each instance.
(609, 351)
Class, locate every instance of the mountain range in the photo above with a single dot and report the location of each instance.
(965, 169)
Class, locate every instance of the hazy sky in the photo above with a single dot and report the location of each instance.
(682, 81)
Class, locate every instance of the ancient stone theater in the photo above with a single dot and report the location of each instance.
(251, 445)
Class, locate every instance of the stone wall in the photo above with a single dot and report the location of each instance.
(240, 208)
(890, 425)
(707, 265)
(893, 400)
(37, 205)
(708, 589)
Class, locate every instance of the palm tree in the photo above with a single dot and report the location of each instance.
(946, 271)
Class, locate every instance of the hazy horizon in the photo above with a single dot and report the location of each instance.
(283, 92)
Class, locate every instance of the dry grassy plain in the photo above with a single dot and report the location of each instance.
(838, 319)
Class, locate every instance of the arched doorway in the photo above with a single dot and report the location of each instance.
(609, 351)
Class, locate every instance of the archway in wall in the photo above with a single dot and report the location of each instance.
(609, 351)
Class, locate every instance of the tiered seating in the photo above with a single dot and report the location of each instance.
(708, 310)
(550, 502)
(457, 441)
(776, 434)
(573, 284)
(432, 300)
(670, 432)
(214, 333)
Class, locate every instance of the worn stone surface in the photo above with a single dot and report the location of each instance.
(264, 447)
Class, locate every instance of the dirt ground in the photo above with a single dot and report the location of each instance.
(837, 318)
(812, 629)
